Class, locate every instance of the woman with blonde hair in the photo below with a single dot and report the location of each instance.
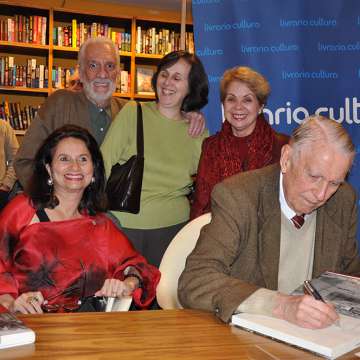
(246, 140)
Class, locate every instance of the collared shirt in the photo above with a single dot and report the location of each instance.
(100, 119)
(285, 209)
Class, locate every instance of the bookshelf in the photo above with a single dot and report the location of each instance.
(57, 50)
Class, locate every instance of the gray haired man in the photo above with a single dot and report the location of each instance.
(273, 228)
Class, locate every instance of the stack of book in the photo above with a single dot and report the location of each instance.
(21, 28)
(152, 41)
(18, 117)
(75, 34)
(30, 75)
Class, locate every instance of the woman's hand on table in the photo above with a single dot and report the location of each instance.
(27, 303)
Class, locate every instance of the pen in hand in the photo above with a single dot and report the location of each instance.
(312, 291)
(309, 288)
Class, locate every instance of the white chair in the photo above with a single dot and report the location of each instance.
(173, 262)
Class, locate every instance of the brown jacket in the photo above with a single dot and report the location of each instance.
(62, 107)
(238, 252)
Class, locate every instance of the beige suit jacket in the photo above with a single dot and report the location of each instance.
(238, 252)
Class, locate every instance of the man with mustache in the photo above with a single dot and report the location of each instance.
(274, 228)
(93, 107)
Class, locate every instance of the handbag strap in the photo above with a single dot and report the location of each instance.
(140, 131)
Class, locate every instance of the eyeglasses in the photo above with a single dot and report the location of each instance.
(66, 307)
(86, 304)
(95, 66)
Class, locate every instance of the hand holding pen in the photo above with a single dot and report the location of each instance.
(304, 310)
(311, 290)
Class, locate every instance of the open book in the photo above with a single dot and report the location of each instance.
(332, 342)
(13, 332)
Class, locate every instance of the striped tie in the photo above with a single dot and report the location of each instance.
(298, 221)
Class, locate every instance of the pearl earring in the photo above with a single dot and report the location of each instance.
(93, 179)
(50, 181)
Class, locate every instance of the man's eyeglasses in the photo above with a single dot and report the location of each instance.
(95, 66)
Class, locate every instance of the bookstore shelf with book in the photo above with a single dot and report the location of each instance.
(24, 89)
(40, 40)
(23, 45)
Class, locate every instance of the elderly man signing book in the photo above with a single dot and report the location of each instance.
(274, 228)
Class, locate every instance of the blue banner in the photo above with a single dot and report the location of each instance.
(308, 50)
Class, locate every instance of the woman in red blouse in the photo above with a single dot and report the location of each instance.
(57, 245)
(246, 140)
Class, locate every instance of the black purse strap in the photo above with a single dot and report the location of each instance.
(140, 131)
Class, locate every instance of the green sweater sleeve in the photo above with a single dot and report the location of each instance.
(120, 141)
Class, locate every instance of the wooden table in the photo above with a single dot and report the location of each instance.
(148, 335)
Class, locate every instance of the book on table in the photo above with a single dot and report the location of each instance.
(344, 293)
(13, 332)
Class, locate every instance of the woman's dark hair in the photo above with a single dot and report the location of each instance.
(198, 80)
(39, 190)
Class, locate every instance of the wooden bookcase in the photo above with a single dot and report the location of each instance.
(120, 18)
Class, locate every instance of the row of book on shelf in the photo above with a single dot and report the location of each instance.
(19, 117)
(163, 41)
(33, 29)
(77, 33)
(31, 75)
(22, 28)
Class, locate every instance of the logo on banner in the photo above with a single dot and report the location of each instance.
(206, 2)
(240, 25)
(339, 47)
(349, 113)
(275, 48)
(296, 75)
(320, 22)
(209, 52)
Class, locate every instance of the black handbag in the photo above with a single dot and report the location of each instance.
(92, 304)
(125, 182)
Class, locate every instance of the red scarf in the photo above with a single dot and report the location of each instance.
(246, 153)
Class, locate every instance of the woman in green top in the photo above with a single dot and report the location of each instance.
(171, 155)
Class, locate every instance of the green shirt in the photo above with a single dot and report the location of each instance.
(100, 120)
(171, 158)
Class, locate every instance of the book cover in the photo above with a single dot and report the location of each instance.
(342, 291)
(13, 332)
(144, 75)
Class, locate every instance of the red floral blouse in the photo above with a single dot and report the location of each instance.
(66, 260)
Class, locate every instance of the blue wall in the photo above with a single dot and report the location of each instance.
(309, 50)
